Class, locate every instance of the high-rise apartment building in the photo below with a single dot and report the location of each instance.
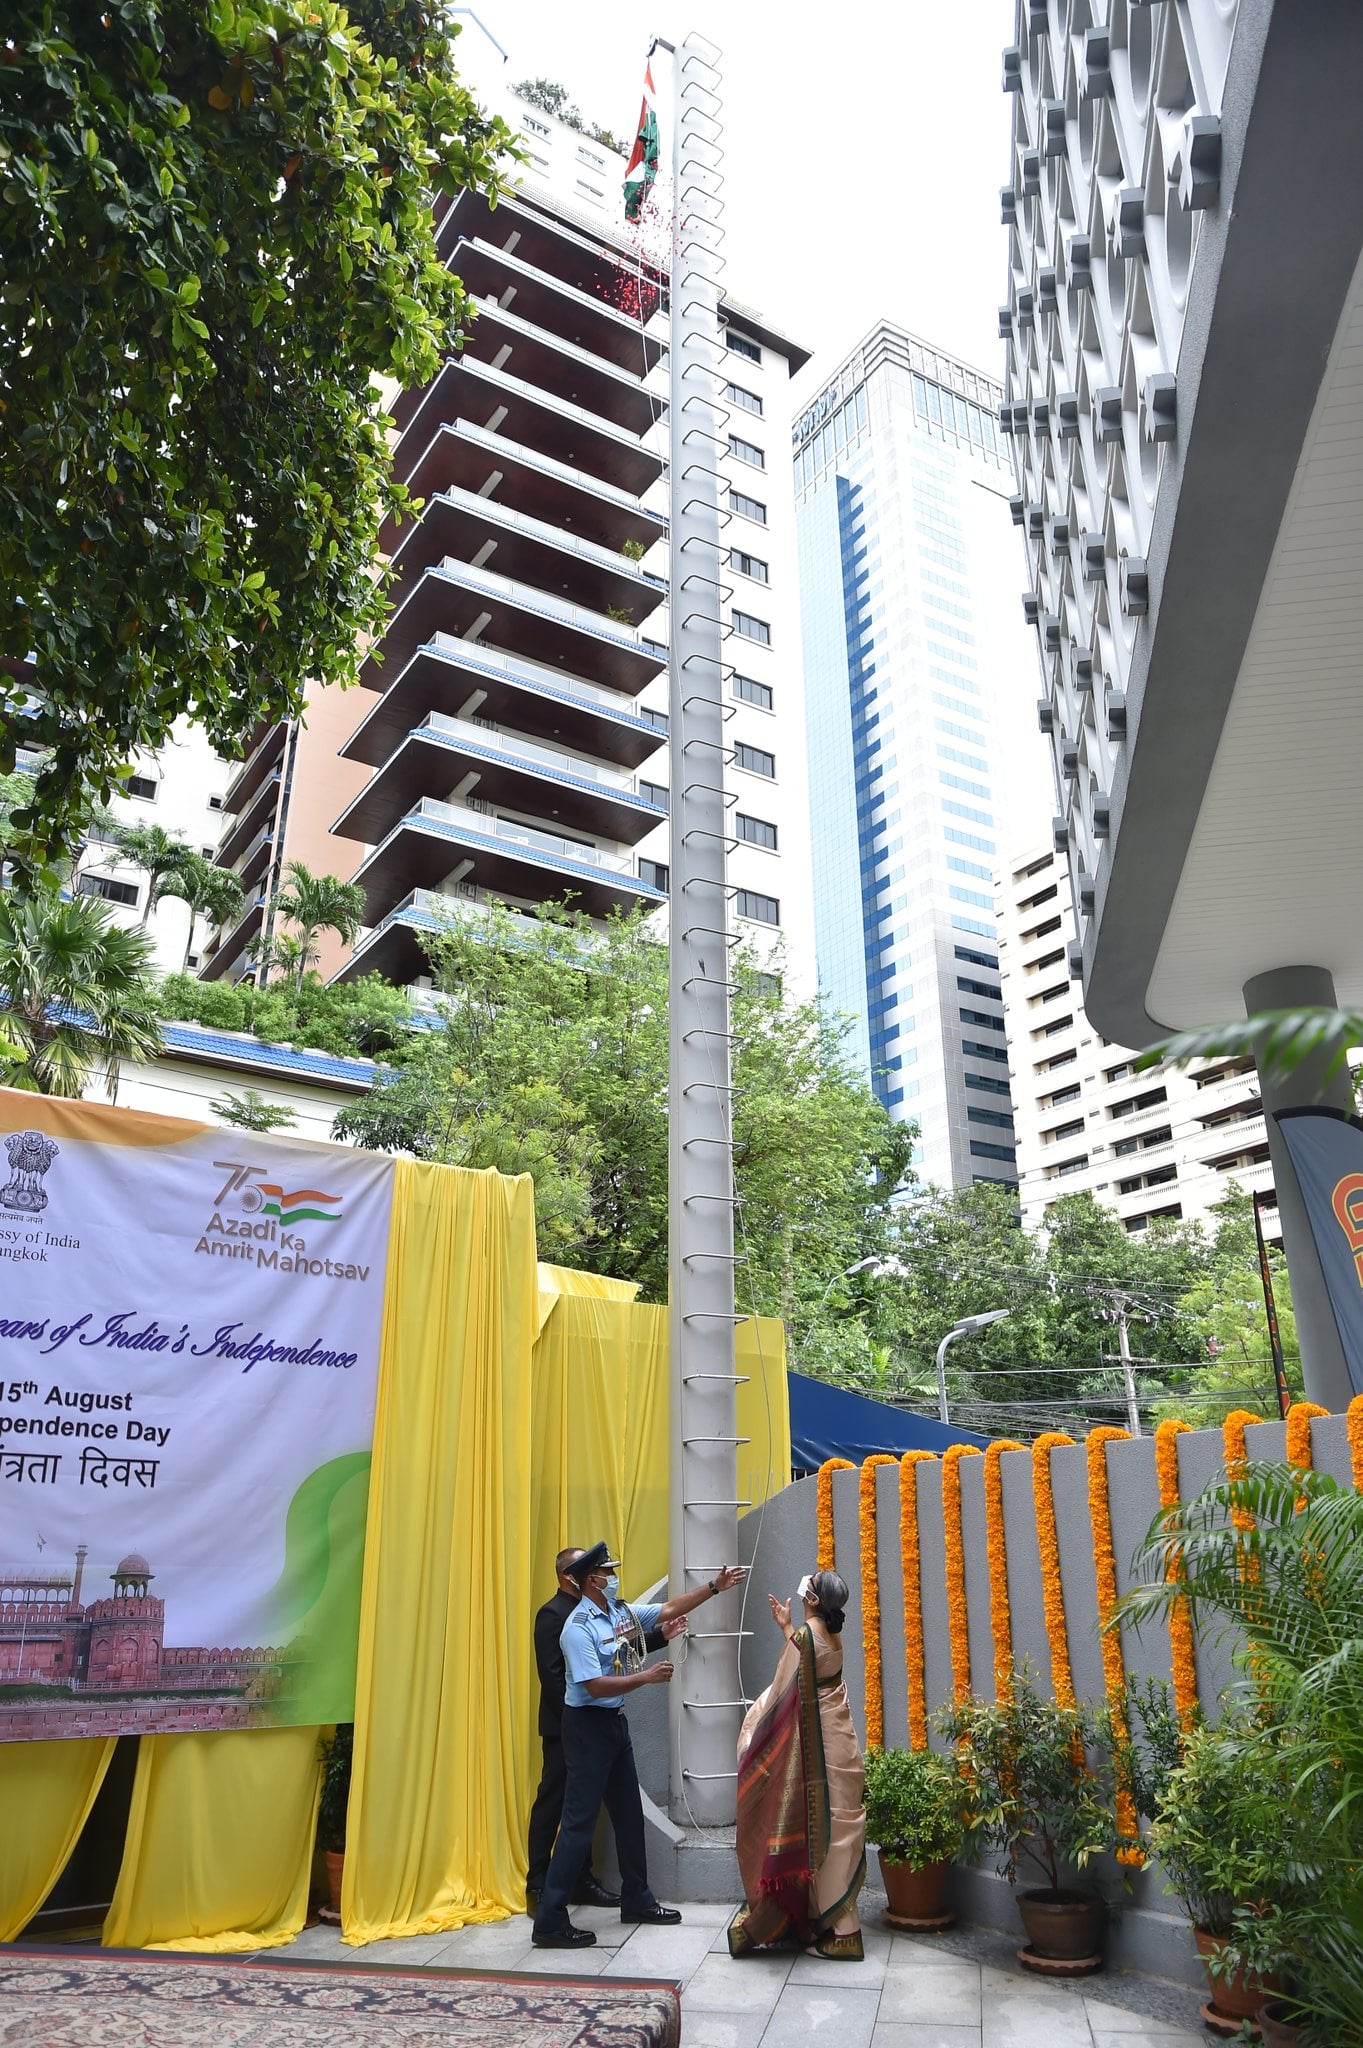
(910, 636)
(510, 740)
(1167, 1142)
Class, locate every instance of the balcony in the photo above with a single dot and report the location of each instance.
(592, 324)
(463, 525)
(555, 366)
(538, 421)
(535, 701)
(394, 948)
(504, 769)
(437, 840)
(254, 864)
(548, 244)
(458, 601)
(263, 756)
(225, 949)
(256, 811)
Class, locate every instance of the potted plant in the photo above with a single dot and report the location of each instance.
(331, 1811)
(915, 1812)
(1039, 1782)
(1223, 1835)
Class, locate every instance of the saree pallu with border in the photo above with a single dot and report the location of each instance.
(785, 1821)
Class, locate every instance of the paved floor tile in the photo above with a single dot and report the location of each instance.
(867, 1975)
(565, 1962)
(909, 2034)
(910, 1957)
(804, 2010)
(672, 1952)
(1117, 2019)
(931, 1996)
(1032, 2022)
(1148, 2037)
(723, 1985)
(721, 2029)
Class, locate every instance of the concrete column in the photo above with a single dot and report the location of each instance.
(1325, 1373)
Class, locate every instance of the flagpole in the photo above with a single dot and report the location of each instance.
(705, 1702)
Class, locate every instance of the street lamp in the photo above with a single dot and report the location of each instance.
(969, 1326)
(861, 1266)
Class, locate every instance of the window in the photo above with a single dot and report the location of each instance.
(535, 127)
(1059, 1095)
(657, 719)
(969, 867)
(1048, 995)
(191, 961)
(977, 959)
(968, 839)
(109, 889)
(756, 831)
(748, 400)
(208, 852)
(144, 786)
(751, 692)
(590, 156)
(988, 1082)
(1062, 1059)
(1120, 1073)
(754, 759)
(749, 628)
(1001, 1119)
(654, 872)
(1133, 1103)
(983, 1151)
(215, 803)
(980, 988)
(1072, 1129)
(1075, 1165)
(654, 793)
(748, 565)
(746, 451)
(751, 508)
(1047, 960)
(593, 191)
(982, 1017)
(975, 896)
(741, 346)
(1060, 1024)
(761, 909)
(983, 1052)
(1040, 931)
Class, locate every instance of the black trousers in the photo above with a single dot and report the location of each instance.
(545, 1815)
(599, 1761)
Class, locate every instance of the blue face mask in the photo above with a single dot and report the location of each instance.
(612, 1587)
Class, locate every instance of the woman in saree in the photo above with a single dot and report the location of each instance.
(801, 1821)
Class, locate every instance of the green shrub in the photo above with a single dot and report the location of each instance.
(915, 1805)
(1039, 1779)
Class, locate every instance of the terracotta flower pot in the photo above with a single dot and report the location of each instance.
(1064, 1926)
(1238, 1995)
(915, 1891)
(1275, 2028)
(335, 1862)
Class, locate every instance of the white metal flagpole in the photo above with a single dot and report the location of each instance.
(705, 1704)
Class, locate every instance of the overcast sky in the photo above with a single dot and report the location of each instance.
(866, 145)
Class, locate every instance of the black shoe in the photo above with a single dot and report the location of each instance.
(651, 1916)
(565, 1937)
(591, 1892)
(532, 1899)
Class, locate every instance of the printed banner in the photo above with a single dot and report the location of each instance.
(1326, 1150)
(189, 1337)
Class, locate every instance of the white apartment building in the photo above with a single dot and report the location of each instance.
(1167, 1143)
(181, 789)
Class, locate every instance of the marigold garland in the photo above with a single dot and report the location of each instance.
(825, 1508)
(870, 1596)
(1052, 1587)
(957, 1619)
(1354, 1421)
(1181, 1654)
(1109, 1640)
(915, 1665)
(1299, 1432)
(996, 1549)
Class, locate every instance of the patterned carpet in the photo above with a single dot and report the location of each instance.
(52, 1999)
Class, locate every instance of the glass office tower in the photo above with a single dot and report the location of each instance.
(911, 629)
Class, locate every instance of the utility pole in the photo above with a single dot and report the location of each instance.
(1133, 1413)
(705, 1702)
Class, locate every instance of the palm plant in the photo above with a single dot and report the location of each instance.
(158, 853)
(1276, 1555)
(210, 891)
(76, 991)
(317, 903)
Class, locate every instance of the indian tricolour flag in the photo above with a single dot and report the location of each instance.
(642, 169)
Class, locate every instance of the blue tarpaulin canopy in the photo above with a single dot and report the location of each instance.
(828, 1422)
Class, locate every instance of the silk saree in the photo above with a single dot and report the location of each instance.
(801, 1820)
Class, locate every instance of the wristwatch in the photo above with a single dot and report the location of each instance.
(714, 1590)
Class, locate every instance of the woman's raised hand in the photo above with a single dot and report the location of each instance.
(780, 1612)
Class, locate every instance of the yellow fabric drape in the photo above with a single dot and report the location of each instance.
(556, 1280)
(444, 1727)
(46, 1792)
(601, 1424)
(219, 1846)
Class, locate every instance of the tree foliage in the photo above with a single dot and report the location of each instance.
(313, 904)
(368, 1017)
(77, 990)
(217, 236)
(551, 1059)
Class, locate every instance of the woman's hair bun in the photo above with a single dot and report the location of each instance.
(830, 1590)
